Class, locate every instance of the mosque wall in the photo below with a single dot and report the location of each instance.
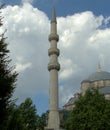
(84, 87)
(107, 83)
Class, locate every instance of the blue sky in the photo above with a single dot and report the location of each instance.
(69, 7)
(83, 28)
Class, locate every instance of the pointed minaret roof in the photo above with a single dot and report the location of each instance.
(99, 68)
(53, 19)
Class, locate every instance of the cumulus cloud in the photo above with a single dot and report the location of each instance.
(28, 45)
(20, 66)
(68, 69)
(83, 44)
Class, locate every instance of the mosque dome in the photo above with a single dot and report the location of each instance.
(102, 75)
(99, 79)
(97, 76)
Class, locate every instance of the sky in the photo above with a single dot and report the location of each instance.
(84, 31)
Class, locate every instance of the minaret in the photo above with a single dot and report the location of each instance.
(99, 68)
(53, 67)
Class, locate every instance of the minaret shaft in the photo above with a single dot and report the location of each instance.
(53, 67)
(53, 89)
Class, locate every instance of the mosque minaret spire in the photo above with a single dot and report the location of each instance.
(53, 67)
(99, 68)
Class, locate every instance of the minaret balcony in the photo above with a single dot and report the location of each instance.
(53, 36)
(55, 66)
(53, 50)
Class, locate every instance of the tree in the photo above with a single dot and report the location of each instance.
(91, 112)
(29, 114)
(15, 120)
(8, 79)
(64, 115)
(41, 121)
(23, 117)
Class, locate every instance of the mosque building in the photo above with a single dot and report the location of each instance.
(98, 80)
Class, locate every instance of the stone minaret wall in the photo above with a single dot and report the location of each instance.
(53, 67)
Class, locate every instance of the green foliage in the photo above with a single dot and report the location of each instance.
(23, 117)
(28, 112)
(8, 79)
(41, 121)
(91, 112)
(15, 120)
(64, 114)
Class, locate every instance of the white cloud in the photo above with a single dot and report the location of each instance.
(66, 73)
(21, 66)
(82, 44)
(68, 69)
(107, 20)
(100, 37)
(27, 34)
(65, 99)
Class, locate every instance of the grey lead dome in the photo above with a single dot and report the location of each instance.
(103, 75)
